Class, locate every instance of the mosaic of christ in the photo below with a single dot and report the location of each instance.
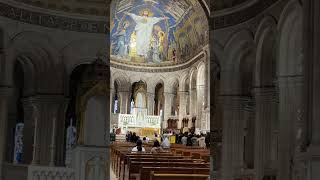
(145, 31)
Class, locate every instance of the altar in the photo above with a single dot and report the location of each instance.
(139, 122)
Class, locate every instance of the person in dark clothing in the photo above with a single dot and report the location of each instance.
(134, 138)
(138, 147)
(207, 140)
(189, 142)
(177, 138)
(112, 136)
(130, 137)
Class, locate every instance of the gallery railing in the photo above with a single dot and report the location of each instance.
(52, 173)
(129, 120)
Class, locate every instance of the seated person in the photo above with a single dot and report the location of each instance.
(139, 147)
(201, 141)
(156, 147)
(146, 140)
(194, 140)
(184, 139)
(166, 144)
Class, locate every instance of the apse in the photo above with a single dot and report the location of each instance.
(150, 32)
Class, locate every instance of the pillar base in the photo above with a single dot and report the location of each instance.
(313, 162)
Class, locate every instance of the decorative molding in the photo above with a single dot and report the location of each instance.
(99, 26)
(157, 69)
(53, 21)
(241, 16)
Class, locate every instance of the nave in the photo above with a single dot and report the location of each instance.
(178, 162)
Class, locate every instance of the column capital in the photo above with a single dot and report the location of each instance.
(265, 94)
(285, 80)
(6, 92)
(35, 103)
(149, 94)
(123, 89)
(183, 92)
(47, 99)
(234, 102)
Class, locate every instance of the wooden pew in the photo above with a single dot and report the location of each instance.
(158, 176)
(136, 166)
(122, 157)
(145, 172)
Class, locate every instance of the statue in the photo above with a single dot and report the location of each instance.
(18, 148)
(115, 106)
(71, 136)
(131, 106)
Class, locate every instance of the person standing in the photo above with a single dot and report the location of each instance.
(189, 142)
(112, 136)
(201, 141)
(207, 140)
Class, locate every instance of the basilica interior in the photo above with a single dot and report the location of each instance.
(75, 73)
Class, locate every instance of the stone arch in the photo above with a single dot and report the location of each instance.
(182, 81)
(87, 50)
(122, 79)
(4, 43)
(206, 7)
(172, 83)
(38, 53)
(238, 46)
(290, 84)
(290, 49)
(266, 40)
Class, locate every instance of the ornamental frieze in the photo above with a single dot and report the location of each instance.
(154, 70)
(98, 26)
(52, 21)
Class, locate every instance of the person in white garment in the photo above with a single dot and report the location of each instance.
(144, 28)
(166, 143)
(138, 147)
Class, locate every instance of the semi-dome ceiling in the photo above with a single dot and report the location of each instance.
(225, 4)
(151, 32)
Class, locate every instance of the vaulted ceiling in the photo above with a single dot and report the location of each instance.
(225, 4)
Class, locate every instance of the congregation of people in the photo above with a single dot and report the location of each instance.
(187, 139)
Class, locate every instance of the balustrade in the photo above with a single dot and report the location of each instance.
(52, 173)
(126, 120)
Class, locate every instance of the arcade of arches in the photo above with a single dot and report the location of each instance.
(246, 71)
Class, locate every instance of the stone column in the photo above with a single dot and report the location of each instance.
(168, 98)
(265, 103)
(311, 38)
(182, 107)
(200, 106)
(290, 104)
(249, 151)
(4, 95)
(40, 114)
(232, 139)
(193, 102)
(28, 131)
(151, 102)
(53, 142)
(124, 102)
(112, 94)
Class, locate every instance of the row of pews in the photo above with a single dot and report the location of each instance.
(179, 162)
